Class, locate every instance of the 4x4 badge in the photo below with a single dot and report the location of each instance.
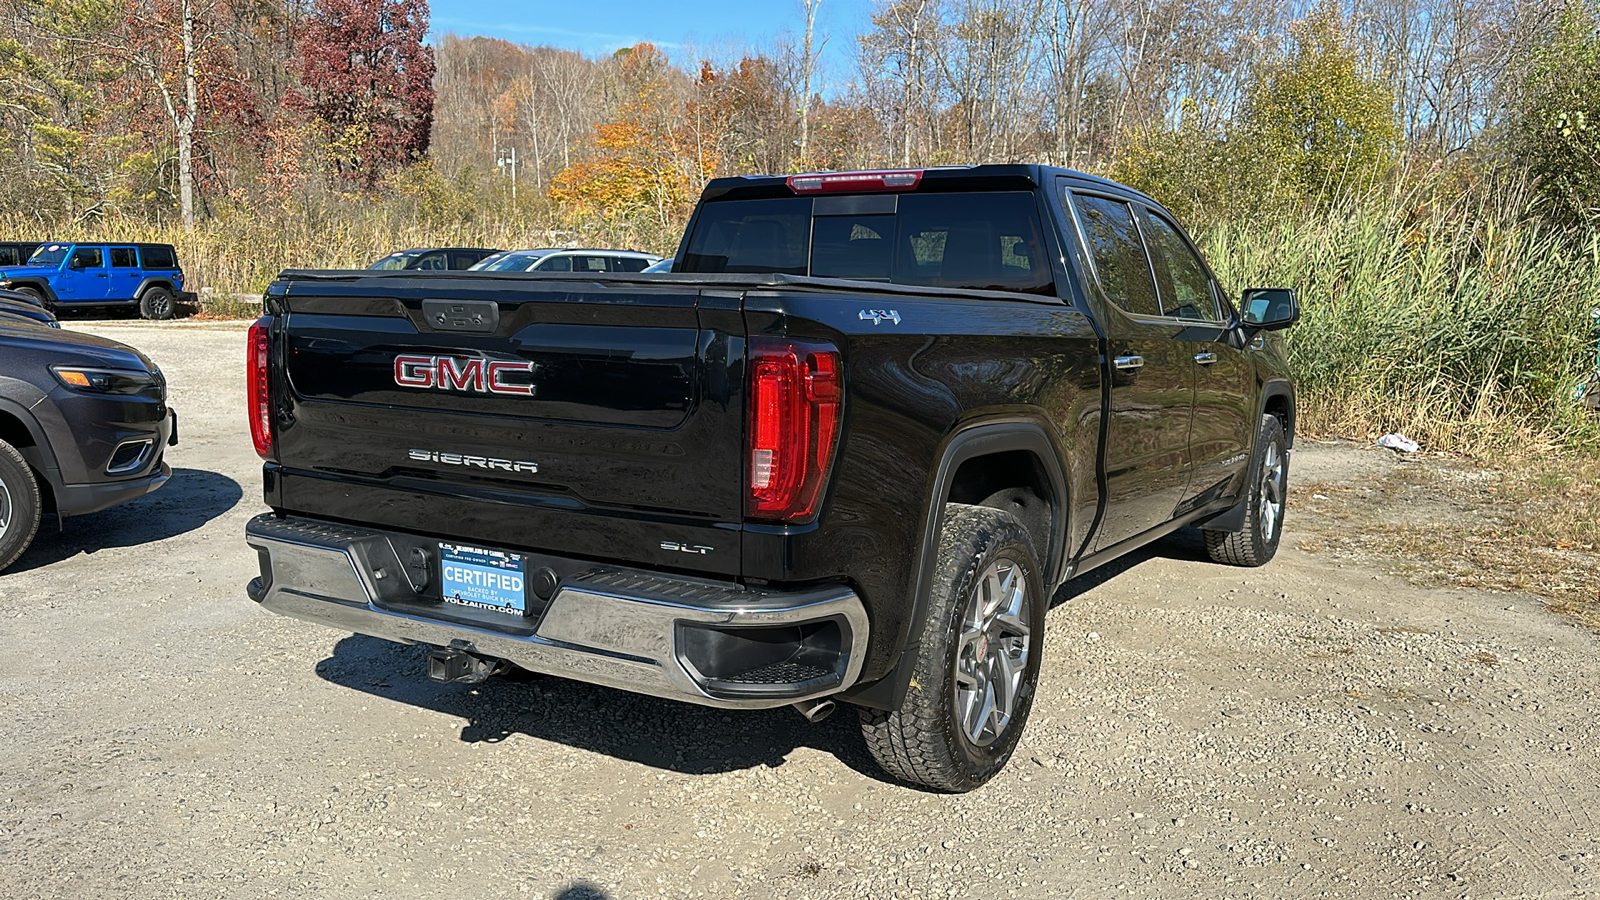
(876, 316)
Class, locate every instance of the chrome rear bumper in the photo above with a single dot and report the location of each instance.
(718, 644)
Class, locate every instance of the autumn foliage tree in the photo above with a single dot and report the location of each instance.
(652, 158)
(367, 78)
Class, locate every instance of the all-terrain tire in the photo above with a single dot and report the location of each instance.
(157, 303)
(35, 296)
(928, 740)
(20, 505)
(1266, 500)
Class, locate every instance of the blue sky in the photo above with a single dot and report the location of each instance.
(681, 29)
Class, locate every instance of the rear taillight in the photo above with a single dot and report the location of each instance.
(850, 182)
(794, 423)
(259, 351)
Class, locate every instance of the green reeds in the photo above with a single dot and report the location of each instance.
(1465, 326)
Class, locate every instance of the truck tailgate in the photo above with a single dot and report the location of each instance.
(608, 417)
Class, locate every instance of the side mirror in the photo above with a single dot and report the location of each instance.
(1269, 309)
(74, 264)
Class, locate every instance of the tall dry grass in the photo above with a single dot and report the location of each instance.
(241, 250)
(1464, 325)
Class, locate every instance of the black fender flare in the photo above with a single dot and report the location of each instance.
(1274, 389)
(39, 455)
(969, 441)
(39, 284)
(150, 281)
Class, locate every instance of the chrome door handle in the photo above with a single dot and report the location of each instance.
(1129, 362)
(1205, 359)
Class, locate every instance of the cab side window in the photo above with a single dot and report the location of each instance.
(87, 258)
(1185, 287)
(432, 261)
(555, 264)
(1113, 242)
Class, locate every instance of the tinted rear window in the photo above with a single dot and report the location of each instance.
(628, 264)
(979, 240)
(123, 258)
(158, 257)
(759, 236)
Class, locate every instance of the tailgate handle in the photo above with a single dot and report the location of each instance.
(477, 316)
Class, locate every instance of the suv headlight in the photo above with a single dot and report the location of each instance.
(103, 381)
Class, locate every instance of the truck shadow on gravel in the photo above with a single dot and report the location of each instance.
(663, 734)
(188, 501)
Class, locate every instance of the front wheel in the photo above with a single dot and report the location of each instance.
(974, 680)
(1265, 500)
(35, 296)
(19, 505)
(157, 303)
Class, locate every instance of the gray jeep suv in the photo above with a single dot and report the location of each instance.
(83, 425)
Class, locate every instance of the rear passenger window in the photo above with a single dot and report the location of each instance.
(124, 258)
(628, 264)
(158, 258)
(1185, 286)
(1118, 253)
(589, 264)
(87, 258)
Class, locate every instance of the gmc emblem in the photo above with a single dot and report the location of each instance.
(453, 373)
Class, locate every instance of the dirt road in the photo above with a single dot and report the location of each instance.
(1311, 729)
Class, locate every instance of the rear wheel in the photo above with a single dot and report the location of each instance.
(19, 505)
(1257, 542)
(157, 303)
(974, 679)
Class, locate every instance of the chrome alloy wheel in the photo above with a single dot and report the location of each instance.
(992, 652)
(5, 509)
(1271, 509)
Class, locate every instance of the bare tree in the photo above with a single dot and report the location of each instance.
(808, 68)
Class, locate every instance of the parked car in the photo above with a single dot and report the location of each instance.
(664, 265)
(551, 259)
(16, 253)
(846, 455)
(434, 258)
(84, 423)
(20, 306)
(66, 275)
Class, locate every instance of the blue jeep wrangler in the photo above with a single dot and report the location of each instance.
(65, 275)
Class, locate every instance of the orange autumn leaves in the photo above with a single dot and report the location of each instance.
(653, 157)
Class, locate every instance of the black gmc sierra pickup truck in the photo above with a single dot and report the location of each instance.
(844, 452)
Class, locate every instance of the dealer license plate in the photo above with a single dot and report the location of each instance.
(483, 579)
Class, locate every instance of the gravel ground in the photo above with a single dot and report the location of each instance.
(1311, 729)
